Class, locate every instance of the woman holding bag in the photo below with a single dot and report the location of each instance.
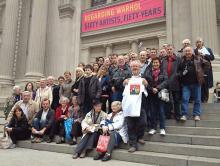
(157, 80)
(90, 128)
(116, 127)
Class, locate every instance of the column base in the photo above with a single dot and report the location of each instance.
(33, 76)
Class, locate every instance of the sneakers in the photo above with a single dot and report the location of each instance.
(38, 140)
(58, 139)
(83, 154)
(47, 139)
(152, 132)
(75, 156)
(141, 141)
(183, 118)
(12, 146)
(197, 118)
(106, 157)
(33, 140)
(162, 132)
(132, 149)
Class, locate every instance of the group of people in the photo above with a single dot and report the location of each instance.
(119, 96)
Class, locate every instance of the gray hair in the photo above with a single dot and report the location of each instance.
(135, 62)
(63, 98)
(186, 40)
(16, 87)
(50, 77)
(117, 104)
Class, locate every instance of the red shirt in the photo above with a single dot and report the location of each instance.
(170, 60)
(60, 112)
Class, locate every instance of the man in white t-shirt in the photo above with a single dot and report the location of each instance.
(132, 105)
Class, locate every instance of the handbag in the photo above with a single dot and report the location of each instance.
(68, 127)
(164, 95)
(103, 143)
(5, 142)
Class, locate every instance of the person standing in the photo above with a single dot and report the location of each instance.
(89, 90)
(208, 55)
(133, 106)
(191, 74)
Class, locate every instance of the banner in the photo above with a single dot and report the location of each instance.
(122, 14)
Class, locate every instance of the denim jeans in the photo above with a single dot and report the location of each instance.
(187, 91)
(38, 124)
(156, 112)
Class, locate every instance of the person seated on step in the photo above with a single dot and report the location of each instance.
(61, 114)
(216, 94)
(115, 126)
(16, 96)
(18, 127)
(91, 130)
(43, 123)
(76, 114)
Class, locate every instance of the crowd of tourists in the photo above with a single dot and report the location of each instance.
(119, 96)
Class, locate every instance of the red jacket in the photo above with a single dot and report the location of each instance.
(59, 112)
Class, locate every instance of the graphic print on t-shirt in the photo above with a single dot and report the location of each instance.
(134, 89)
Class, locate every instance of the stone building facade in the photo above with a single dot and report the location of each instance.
(43, 37)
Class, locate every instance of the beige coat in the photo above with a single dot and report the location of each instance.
(32, 108)
(44, 93)
(88, 121)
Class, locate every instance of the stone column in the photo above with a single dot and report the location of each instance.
(66, 13)
(169, 21)
(85, 53)
(134, 46)
(86, 4)
(204, 22)
(9, 43)
(162, 40)
(108, 49)
(37, 40)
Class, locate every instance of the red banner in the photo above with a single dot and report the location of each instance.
(121, 14)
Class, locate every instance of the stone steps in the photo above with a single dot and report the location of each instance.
(186, 144)
(192, 123)
(193, 130)
(185, 139)
(145, 157)
(180, 149)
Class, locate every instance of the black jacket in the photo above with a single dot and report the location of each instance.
(19, 124)
(50, 117)
(56, 97)
(119, 75)
(161, 83)
(94, 90)
(173, 80)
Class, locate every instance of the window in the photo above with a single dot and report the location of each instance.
(98, 2)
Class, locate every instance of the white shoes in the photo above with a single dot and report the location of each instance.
(183, 118)
(152, 132)
(162, 132)
(197, 118)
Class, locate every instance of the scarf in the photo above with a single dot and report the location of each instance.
(156, 73)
